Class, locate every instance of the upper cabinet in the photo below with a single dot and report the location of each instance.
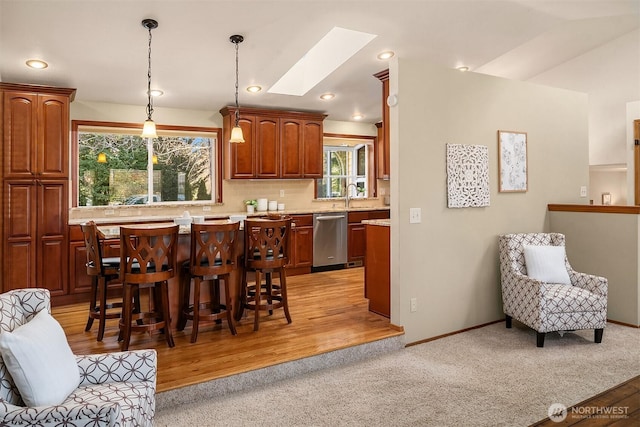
(383, 151)
(36, 132)
(278, 144)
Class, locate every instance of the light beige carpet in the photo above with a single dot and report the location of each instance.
(491, 376)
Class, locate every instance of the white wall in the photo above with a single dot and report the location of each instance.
(609, 74)
(449, 262)
(612, 180)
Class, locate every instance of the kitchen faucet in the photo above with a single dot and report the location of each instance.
(347, 198)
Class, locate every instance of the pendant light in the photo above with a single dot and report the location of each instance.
(236, 132)
(149, 129)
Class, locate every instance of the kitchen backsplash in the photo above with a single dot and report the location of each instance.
(298, 196)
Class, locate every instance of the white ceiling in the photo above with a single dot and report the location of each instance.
(100, 46)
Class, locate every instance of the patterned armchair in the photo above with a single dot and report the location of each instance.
(116, 389)
(547, 307)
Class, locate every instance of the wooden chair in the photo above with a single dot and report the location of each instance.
(266, 251)
(102, 271)
(148, 260)
(213, 258)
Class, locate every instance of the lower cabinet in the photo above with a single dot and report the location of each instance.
(377, 271)
(356, 234)
(301, 244)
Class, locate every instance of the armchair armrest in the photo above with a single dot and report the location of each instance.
(105, 414)
(596, 284)
(132, 366)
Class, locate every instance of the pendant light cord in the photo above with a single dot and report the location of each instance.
(237, 106)
(149, 100)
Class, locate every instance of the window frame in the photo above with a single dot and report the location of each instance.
(371, 174)
(217, 161)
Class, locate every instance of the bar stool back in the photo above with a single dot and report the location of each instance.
(266, 251)
(148, 260)
(103, 271)
(213, 257)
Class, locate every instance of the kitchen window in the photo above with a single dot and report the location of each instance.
(345, 170)
(118, 167)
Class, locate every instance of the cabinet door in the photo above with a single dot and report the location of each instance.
(312, 149)
(52, 152)
(243, 154)
(52, 228)
(79, 281)
(19, 227)
(303, 247)
(20, 128)
(267, 150)
(356, 243)
(291, 148)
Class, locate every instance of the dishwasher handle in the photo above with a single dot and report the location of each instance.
(329, 217)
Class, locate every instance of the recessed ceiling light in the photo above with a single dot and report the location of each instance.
(357, 117)
(254, 89)
(327, 96)
(463, 69)
(37, 64)
(156, 92)
(386, 55)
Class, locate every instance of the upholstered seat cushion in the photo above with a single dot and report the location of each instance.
(558, 298)
(134, 399)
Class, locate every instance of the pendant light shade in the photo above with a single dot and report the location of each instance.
(236, 132)
(149, 129)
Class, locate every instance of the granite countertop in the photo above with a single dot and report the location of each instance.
(116, 219)
(380, 222)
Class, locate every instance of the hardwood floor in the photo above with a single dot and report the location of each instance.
(618, 406)
(328, 309)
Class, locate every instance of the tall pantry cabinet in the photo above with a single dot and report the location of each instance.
(35, 186)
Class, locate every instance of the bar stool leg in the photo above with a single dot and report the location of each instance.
(185, 290)
(165, 313)
(125, 321)
(243, 295)
(283, 293)
(196, 309)
(92, 302)
(257, 300)
(214, 286)
(227, 294)
(102, 289)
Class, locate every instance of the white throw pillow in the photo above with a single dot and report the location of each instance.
(546, 263)
(40, 361)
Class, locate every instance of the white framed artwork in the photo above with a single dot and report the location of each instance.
(512, 161)
(467, 176)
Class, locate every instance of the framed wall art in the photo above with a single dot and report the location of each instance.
(512, 161)
(467, 176)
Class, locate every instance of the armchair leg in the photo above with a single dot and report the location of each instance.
(540, 339)
(508, 321)
(598, 335)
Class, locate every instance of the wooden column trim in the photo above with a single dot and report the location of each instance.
(636, 160)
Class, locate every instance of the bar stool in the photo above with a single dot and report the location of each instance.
(148, 260)
(103, 271)
(266, 251)
(213, 258)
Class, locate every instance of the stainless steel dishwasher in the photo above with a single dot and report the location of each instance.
(329, 239)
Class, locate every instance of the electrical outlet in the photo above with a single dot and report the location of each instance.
(281, 193)
(414, 305)
(206, 208)
(415, 215)
(109, 212)
(583, 191)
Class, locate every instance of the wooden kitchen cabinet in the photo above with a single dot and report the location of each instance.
(302, 244)
(356, 234)
(35, 178)
(377, 271)
(383, 148)
(278, 144)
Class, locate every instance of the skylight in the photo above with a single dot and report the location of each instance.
(333, 50)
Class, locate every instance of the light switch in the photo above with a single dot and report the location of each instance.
(583, 191)
(415, 215)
